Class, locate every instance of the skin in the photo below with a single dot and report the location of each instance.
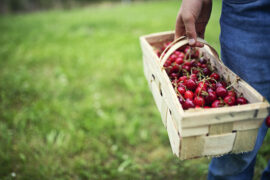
(192, 19)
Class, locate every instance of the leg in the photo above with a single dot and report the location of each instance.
(244, 49)
(266, 173)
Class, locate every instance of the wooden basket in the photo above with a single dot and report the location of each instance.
(202, 132)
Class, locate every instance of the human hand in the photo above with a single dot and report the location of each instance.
(192, 19)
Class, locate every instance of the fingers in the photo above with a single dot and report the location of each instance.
(190, 28)
(179, 27)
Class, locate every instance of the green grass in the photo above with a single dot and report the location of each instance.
(74, 103)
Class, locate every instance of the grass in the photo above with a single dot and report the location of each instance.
(74, 103)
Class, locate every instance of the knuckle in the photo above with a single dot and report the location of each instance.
(188, 18)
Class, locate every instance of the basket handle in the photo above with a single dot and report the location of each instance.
(181, 41)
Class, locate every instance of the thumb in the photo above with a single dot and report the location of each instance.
(189, 22)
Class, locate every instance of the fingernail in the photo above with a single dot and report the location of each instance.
(191, 41)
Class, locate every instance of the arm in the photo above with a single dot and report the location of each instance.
(192, 19)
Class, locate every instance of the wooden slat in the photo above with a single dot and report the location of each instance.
(225, 114)
(173, 135)
(220, 128)
(156, 95)
(218, 144)
(245, 140)
(164, 110)
(197, 146)
(194, 131)
(247, 124)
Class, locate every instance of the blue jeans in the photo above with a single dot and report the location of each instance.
(245, 49)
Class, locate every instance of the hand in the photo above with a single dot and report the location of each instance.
(192, 19)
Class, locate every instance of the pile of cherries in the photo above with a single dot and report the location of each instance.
(196, 83)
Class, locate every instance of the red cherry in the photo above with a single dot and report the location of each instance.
(175, 69)
(221, 91)
(230, 100)
(193, 77)
(189, 95)
(215, 76)
(195, 71)
(206, 71)
(167, 64)
(191, 85)
(195, 54)
(187, 63)
(188, 104)
(219, 84)
(193, 63)
(200, 90)
(199, 101)
(173, 75)
(211, 97)
(177, 53)
(241, 100)
(179, 60)
(202, 84)
(203, 65)
(267, 121)
(207, 107)
(182, 79)
(186, 67)
(217, 103)
(232, 93)
(186, 49)
(181, 90)
(173, 57)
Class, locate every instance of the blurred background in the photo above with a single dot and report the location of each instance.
(74, 103)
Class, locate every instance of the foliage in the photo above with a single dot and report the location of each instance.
(74, 103)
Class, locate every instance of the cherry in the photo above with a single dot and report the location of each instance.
(188, 104)
(221, 91)
(211, 97)
(195, 71)
(217, 103)
(187, 49)
(175, 69)
(215, 76)
(181, 90)
(179, 60)
(193, 77)
(182, 79)
(267, 121)
(206, 107)
(202, 84)
(173, 75)
(167, 64)
(188, 95)
(230, 100)
(203, 65)
(193, 63)
(200, 91)
(219, 84)
(186, 67)
(191, 84)
(241, 100)
(232, 93)
(206, 71)
(173, 57)
(199, 101)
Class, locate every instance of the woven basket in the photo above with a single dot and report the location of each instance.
(202, 132)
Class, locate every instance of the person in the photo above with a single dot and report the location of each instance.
(245, 41)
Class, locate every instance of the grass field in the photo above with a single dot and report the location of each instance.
(74, 103)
